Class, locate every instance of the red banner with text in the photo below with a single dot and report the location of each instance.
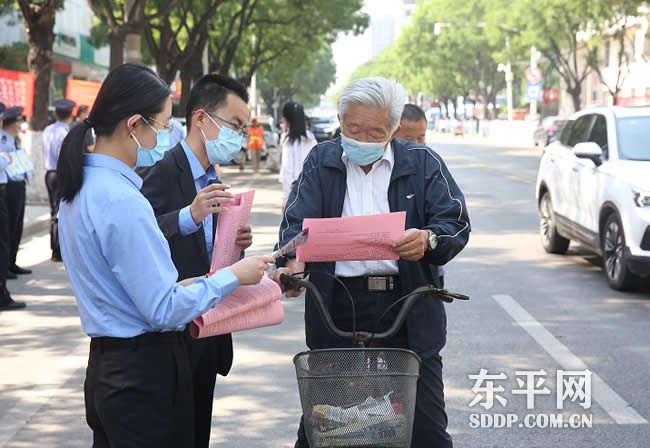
(17, 89)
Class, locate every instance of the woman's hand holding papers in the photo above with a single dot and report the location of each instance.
(250, 270)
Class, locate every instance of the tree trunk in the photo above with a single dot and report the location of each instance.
(190, 71)
(116, 40)
(41, 40)
(166, 69)
(575, 93)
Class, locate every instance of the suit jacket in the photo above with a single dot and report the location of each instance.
(169, 186)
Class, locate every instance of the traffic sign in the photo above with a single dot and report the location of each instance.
(534, 91)
(533, 75)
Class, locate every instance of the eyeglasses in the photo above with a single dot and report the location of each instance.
(241, 130)
(167, 127)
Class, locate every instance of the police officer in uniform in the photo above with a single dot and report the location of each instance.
(53, 136)
(15, 196)
(6, 302)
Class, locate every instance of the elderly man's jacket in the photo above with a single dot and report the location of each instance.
(422, 186)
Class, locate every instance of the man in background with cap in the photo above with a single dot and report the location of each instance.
(15, 195)
(6, 302)
(53, 136)
(89, 140)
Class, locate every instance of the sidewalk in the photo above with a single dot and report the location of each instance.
(37, 218)
(44, 351)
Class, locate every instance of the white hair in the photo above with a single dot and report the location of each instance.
(375, 92)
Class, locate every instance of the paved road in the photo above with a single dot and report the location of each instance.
(529, 311)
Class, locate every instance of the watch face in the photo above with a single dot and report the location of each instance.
(433, 241)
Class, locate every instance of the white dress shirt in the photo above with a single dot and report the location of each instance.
(367, 194)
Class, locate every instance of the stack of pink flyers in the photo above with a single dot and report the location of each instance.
(252, 306)
(248, 307)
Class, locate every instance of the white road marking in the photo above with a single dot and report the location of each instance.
(617, 408)
(37, 395)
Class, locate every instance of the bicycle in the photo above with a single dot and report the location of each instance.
(361, 396)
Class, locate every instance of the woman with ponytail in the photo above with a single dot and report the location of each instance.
(138, 382)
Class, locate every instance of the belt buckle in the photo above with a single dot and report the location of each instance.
(377, 284)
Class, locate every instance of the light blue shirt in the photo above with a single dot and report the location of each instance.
(202, 178)
(119, 262)
(8, 144)
(53, 137)
(4, 163)
(4, 160)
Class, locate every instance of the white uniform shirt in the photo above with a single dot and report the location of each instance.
(367, 194)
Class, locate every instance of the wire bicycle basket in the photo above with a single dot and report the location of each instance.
(360, 397)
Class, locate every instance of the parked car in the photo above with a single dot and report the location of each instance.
(324, 127)
(548, 129)
(593, 187)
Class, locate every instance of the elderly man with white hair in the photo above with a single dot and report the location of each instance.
(368, 171)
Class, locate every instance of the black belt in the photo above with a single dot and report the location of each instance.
(372, 282)
(107, 343)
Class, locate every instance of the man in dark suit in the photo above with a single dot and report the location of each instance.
(186, 196)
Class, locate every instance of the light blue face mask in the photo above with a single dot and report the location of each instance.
(148, 157)
(362, 153)
(225, 147)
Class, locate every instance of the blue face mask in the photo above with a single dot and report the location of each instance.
(225, 147)
(148, 157)
(362, 153)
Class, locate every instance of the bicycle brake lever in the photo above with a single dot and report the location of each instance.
(443, 294)
(290, 282)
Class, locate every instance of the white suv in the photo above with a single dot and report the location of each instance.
(593, 186)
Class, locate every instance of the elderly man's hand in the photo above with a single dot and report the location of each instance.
(293, 267)
(412, 245)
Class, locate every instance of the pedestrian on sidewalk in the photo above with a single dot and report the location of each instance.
(367, 171)
(297, 141)
(138, 387)
(255, 143)
(53, 136)
(7, 303)
(15, 196)
(187, 195)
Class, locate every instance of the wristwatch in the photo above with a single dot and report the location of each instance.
(432, 240)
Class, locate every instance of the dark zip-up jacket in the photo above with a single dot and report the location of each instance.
(422, 186)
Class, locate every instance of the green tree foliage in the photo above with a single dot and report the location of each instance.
(285, 32)
(453, 49)
(303, 82)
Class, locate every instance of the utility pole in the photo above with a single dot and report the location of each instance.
(534, 57)
(254, 83)
(133, 40)
(507, 70)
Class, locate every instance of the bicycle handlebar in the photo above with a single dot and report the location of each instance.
(290, 282)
